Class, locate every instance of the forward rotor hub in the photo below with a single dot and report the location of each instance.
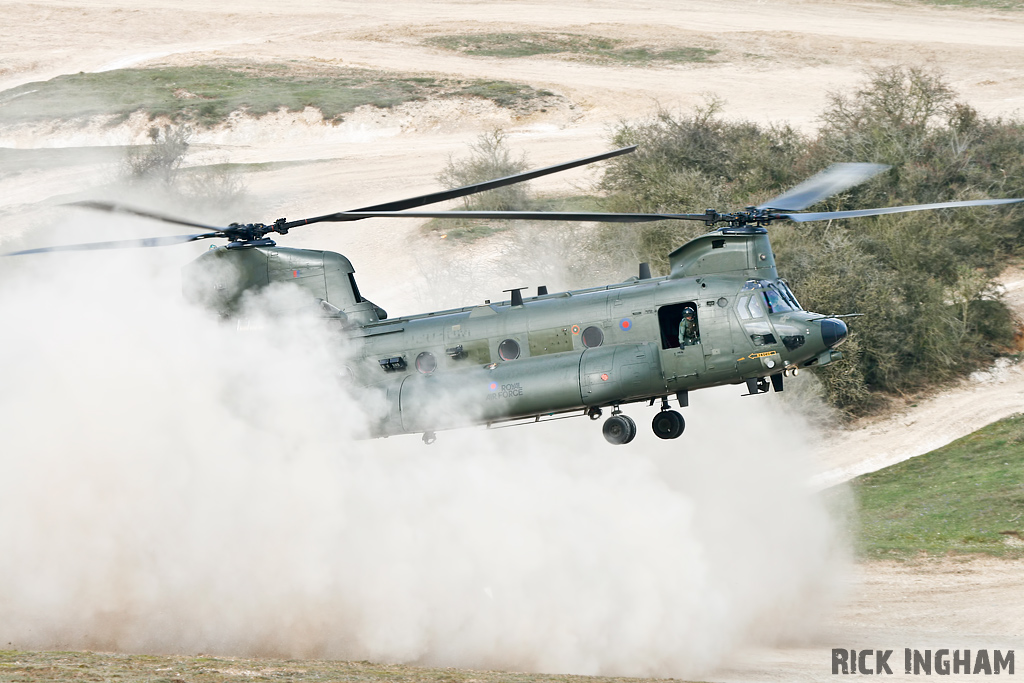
(751, 216)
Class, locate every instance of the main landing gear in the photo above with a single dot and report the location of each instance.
(621, 429)
(668, 424)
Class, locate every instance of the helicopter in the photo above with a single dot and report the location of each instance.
(721, 316)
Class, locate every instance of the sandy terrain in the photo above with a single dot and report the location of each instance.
(778, 60)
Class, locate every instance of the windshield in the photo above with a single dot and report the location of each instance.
(775, 297)
(776, 302)
(788, 294)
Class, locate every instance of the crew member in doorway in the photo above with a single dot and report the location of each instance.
(689, 334)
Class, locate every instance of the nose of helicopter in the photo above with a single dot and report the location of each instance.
(833, 332)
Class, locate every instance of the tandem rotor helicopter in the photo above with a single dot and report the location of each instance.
(721, 316)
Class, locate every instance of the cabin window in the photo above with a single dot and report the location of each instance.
(508, 349)
(593, 336)
(426, 363)
(679, 325)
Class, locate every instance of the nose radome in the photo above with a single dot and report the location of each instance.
(833, 332)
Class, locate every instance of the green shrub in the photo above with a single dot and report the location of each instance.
(489, 158)
(159, 160)
(157, 169)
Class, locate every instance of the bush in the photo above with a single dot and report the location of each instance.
(158, 171)
(490, 158)
(159, 160)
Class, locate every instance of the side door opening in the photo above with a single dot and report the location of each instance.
(679, 325)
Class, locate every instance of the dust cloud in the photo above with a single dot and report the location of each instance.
(172, 485)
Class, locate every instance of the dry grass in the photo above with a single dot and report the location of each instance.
(42, 667)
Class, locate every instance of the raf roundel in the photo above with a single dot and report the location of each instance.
(493, 386)
(626, 324)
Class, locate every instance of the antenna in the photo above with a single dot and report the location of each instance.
(517, 295)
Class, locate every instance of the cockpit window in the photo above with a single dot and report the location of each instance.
(776, 303)
(776, 297)
(788, 293)
(748, 307)
(754, 308)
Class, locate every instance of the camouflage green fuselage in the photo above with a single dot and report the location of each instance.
(555, 371)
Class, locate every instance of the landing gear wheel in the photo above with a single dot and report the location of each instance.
(668, 424)
(429, 437)
(619, 429)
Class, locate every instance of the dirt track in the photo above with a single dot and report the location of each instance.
(777, 61)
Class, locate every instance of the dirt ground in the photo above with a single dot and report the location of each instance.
(778, 60)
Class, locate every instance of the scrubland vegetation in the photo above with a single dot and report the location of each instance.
(206, 95)
(571, 45)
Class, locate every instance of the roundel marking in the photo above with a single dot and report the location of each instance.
(575, 329)
(626, 323)
(493, 386)
(604, 377)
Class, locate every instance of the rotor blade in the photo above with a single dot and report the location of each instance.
(832, 180)
(111, 207)
(535, 215)
(828, 215)
(120, 244)
(444, 195)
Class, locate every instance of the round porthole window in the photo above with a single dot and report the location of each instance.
(508, 349)
(426, 363)
(593, 336)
